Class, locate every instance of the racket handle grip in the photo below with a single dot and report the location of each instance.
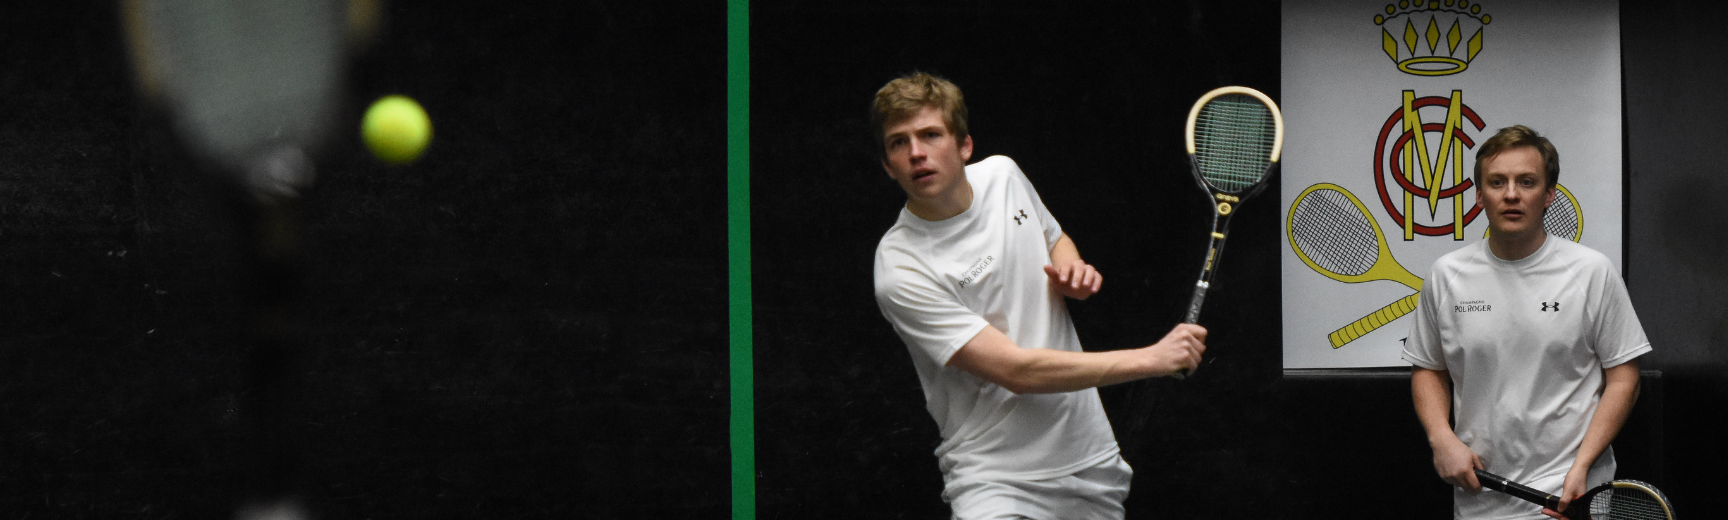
(1198, 301)
(1194, 305)
(1504, 485)
(1373, 321)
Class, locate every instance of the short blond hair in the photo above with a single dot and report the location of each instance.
(906, 95)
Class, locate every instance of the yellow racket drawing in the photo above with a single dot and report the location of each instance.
(1564, 219)
(1332, 232)
(1374, 320)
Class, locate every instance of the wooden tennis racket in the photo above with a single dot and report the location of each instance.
(1617, 500)
(1234, 136)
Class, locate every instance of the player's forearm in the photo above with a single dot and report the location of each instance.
(1044, 371)
(1431, 391)
(1618, 396)
(993, 357)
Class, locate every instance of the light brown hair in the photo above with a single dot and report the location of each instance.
(1515, 136)
(907, 95)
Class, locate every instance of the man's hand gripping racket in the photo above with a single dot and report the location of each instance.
(1234, 136)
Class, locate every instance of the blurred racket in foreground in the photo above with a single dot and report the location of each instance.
(252, 90)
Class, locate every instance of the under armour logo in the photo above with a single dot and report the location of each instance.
(1547, 306)
(1022, 216)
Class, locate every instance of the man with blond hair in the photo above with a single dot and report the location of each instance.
(1534, 339)
(972, 277)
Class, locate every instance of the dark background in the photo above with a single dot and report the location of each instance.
(529, 322)
(1090, 100)
(1675, 238)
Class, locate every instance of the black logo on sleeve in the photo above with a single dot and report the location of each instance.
(1550, 306)
(1022, 216)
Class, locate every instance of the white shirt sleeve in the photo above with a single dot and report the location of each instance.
(1052, 229)
(1619, 336)
(1422, 348)
(927, 318)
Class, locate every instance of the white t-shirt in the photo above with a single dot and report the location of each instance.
(939, 283)
(1525, 343)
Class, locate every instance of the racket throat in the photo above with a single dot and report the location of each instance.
(1214, 252)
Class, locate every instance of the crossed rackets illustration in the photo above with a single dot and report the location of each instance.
(1334, 234)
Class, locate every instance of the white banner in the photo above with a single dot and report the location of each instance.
(1358, 75)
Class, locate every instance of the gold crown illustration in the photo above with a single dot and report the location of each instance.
(1420, 53)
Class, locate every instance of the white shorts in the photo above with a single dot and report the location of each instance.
(1094, 493)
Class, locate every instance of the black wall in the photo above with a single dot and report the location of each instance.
(529, 322)
(1674, 233)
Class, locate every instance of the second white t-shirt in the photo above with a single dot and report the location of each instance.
(1525, 343)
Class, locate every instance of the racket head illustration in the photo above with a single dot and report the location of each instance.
(1334, 234)
(1564, 218)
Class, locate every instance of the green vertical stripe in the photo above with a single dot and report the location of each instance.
(743, 424)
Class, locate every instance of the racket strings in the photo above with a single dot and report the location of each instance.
(1332, 232)
(1561, 219)
(1234, 135)
(1627, 504)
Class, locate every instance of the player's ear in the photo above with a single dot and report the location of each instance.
(1549, 200)
(966, 149)
(885, 168)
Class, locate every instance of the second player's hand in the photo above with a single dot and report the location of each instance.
(1457, 464)
(1077, 279)
(1179, 350)
(1571, 490)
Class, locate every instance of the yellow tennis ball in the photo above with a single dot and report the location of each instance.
(396, 129)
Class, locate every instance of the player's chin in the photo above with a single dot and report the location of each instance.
(927, 189)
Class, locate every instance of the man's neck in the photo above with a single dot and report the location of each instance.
(943, 208)
(1512, 247)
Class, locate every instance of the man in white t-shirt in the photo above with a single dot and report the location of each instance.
(1533, 339)
(972, 277)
